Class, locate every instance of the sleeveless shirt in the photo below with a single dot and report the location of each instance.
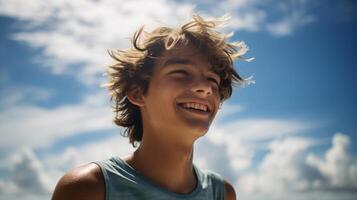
(122, 182)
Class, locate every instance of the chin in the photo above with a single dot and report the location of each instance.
(199, 131)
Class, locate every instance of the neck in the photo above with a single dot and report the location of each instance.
(163, 162)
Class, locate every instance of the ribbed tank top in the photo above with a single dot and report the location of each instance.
(122, 182)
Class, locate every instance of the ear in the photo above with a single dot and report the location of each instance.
(136, 96)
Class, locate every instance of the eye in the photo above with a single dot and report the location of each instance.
(180, 72)
(214, 80)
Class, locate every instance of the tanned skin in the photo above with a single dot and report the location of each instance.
(180, 76)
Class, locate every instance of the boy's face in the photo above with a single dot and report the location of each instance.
(183, 95)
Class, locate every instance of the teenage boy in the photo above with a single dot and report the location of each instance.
(166, 92)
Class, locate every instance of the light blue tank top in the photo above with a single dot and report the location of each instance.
(122, 182)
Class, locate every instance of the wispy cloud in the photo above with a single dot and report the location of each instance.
(289, 24)
(73, 35)
(77, 33)
(29, 95)
(295, 16)
(35, 126)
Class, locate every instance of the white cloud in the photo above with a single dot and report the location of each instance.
(255, 129)
(59, 163)
(246, 15)
(22, 9)
(288, 25)
(31, 177)
(13, 96)
(239, 139)
(288, 169)
(74, 35)
(281, 28)
(28, 178)
(226, 110)
(338, 167)
(28, 174)
(77, 155)
(34, 126)
(250, 21)
(7, 187)
(295, 17)
(279, 169)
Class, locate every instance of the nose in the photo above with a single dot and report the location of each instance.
(202, 86)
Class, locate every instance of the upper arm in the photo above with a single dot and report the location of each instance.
(83, 183)
(230, 194)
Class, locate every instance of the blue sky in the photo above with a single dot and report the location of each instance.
(299, 119)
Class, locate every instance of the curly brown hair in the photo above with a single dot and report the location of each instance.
(133, 67)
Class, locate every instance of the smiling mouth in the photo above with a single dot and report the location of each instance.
(195, 107)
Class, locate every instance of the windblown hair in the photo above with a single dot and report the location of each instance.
(133, 67)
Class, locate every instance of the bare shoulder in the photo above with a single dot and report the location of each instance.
(84, 182)
(230, 192)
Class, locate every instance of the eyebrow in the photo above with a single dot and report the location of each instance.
(173, 61)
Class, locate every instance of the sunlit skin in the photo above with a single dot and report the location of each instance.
(180, 76)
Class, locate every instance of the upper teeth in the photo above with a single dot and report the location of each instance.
(196, 106)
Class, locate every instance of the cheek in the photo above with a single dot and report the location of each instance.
(174, 85)
(161, 92)
(216, 95)
(217, 102)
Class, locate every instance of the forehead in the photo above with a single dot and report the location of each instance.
(184, 55)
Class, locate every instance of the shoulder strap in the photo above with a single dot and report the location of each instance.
(103, 167)
(218, 187)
